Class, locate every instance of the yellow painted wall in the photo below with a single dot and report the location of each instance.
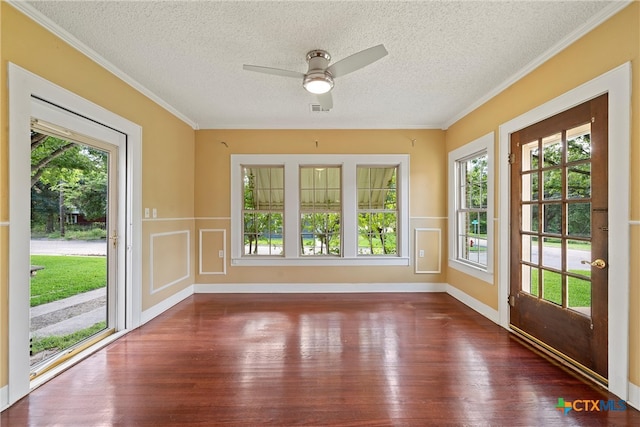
(427, 192)
(167, 151)
(611, 44)
(172, 151)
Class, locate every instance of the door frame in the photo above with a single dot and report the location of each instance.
(23, 86)
(617, 83)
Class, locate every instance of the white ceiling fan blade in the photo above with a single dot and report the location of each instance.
(357, 61)
(326, 101)
(274, 71)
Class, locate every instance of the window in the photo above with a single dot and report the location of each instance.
(471, 208)
(262, 210)
(319, 210)
(471, 216)
(377, 210)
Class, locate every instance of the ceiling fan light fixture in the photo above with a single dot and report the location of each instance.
(318, 83)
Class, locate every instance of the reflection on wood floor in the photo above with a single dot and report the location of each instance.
(329, 359)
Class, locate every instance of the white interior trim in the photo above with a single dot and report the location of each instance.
(316, 288)
(634, 395)
(187, 256)
(617, 83)
(4, 398)
(224, 250)
(23, 85)
(166, 304)
(488, 312)
(416, 252)
(486, 144)
(291, 164)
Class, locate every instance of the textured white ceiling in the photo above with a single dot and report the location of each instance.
(444, 56)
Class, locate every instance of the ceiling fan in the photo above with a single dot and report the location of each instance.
(319, 77)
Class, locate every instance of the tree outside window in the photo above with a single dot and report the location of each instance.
(263, 210)
(471, 227)
(377, 210)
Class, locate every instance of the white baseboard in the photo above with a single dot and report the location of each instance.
(165, 305)
(480, 307)
(634, 395)
(316, 288)
(4, 398)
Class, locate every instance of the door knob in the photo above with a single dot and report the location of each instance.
(599, 263)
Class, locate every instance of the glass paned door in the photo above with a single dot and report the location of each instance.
(73, 242)
(559, 205)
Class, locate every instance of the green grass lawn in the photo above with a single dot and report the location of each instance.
(65, 276)
(62, 342)
(579, 290)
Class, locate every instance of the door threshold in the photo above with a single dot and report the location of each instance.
(557, 357)
(45, 373)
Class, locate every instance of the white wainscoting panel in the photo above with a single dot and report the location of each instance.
(170, 259)
(212, 251)
(428, 243)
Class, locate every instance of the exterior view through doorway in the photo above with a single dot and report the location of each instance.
(74, 233)
(37, 105)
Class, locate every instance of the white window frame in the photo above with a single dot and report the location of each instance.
(292, 163)
(480, 146)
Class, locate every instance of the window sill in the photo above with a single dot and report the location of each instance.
(320, 261)
(478, 273)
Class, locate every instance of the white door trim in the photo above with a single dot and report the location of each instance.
(23, 86)
(617, 83)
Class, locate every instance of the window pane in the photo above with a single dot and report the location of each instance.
(320, 234)
(579, 143)
(530, 156)
(529, 282)
(263, 210)
(530, 187)
(471, 227)
(473, 237)
(579, 181)
(552, 286)
(552, 150)
(377, 233)
(552, 181)
(579, 219)
(320, 208)
(377, 210)
(529, 217)
(530, 248)
(552, 217)
(474, 175)
(263, 234)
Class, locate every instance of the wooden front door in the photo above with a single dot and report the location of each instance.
(559, 235)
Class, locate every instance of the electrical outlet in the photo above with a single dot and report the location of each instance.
(146, 212)
(421, 253)
(155, 213)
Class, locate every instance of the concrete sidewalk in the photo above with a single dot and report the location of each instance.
(69, 315)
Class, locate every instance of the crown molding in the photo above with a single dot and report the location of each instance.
(58, 31)
(586, 27)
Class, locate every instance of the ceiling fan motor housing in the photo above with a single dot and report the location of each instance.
(318, 79)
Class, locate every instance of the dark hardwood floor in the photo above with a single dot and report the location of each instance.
(347, 360)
